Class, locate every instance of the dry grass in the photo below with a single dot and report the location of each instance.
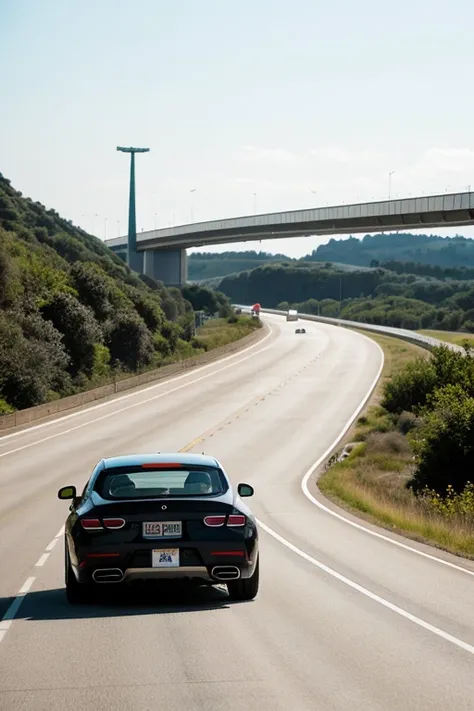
(455, 337)
(371, 480)
(219, 332)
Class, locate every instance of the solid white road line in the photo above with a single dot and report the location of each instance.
(15, 605)
(376, 598)
(127, 407)
(314, 467)
(135, 393)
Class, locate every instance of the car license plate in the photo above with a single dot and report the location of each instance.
(162, 529)
(165, 558)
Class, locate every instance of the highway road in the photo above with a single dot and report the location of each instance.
(348, 616)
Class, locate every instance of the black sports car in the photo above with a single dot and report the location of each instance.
(156, 516)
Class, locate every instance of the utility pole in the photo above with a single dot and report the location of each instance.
(134, 259)
(390, 183)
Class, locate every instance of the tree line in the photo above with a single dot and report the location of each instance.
(378, 295)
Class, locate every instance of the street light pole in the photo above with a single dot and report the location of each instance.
(191, 210)
(133, 258)
(390, 183)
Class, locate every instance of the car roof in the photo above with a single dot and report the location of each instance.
(187, 458)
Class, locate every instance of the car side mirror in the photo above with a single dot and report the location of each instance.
(67, 492)
(245, 490)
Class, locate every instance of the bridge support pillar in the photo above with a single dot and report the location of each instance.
(135, 260)
(167, 265)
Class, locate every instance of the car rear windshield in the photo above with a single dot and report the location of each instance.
(138, 483)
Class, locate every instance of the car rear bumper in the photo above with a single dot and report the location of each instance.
(213, 570)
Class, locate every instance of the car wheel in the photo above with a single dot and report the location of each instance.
(76, 593)
(245, 588)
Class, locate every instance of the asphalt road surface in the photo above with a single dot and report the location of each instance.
(345, 619)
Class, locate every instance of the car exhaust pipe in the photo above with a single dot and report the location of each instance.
(107, 575)
(225, 572)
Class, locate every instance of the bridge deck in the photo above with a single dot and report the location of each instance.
(410, 213)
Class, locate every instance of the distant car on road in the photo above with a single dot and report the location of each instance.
(300, 330)
(160, 516)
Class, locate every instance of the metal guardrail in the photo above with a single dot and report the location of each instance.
(402, 333)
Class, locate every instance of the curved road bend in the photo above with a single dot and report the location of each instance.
(344, 619)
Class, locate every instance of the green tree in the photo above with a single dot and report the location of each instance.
(79, 328)
(30, 368)
(92, 287)
(129, 341)
(444, 442)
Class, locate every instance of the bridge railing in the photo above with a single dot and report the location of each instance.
(403, 334)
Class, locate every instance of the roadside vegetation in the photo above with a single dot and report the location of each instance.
(219, 332)
(456, 337)
(408, 461)
(73, 316)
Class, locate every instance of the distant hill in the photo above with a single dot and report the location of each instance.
(401, 246)
(71, 312)
(208, 265)
(370, 251)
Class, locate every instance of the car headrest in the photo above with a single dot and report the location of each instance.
(197, 479)
(123, 483)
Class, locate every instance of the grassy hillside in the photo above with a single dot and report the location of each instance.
(72, 313)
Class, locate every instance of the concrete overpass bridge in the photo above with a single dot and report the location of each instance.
(161, 254)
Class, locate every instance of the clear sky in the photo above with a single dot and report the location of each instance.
(255, 105)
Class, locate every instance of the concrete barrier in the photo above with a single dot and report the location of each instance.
(402, 333)
(31, 414)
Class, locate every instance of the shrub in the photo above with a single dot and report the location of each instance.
(410, 388)
(129, 341)
(444, 441)
(29, 368)
(406, 422)
(5, 408)
(101, 362)
(199, 344)
(171, 331)
(90, 282)
(79, 328)
(147, 307)
(392, 442)
(451, 504)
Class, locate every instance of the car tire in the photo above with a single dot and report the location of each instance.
(76, 593)
(245, 588)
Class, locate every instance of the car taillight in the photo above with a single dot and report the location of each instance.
(91, 524)
(232, 520)
(114, 523)
(236, 520)
(214, 521)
